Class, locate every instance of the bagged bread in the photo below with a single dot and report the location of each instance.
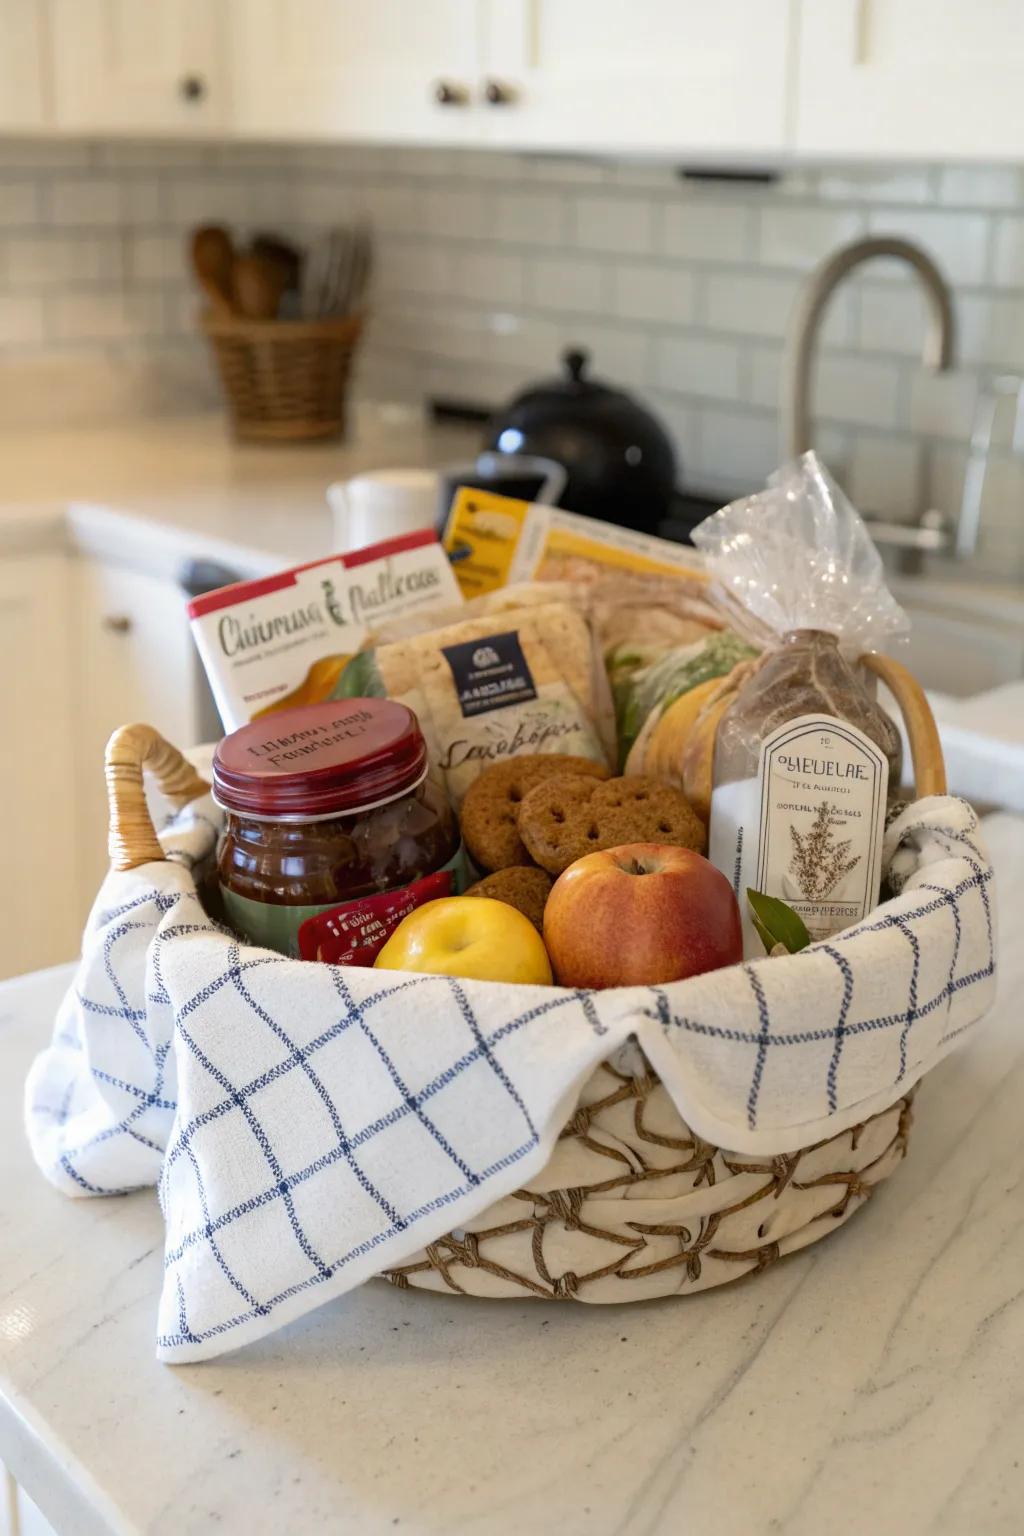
(660, 637)
(648, 628)
(522, 594)
(805, 757)
(649, 614)
(523, 680)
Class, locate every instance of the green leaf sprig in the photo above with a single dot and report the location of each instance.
(777, 923)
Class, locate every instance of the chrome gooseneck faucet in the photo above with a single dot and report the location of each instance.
(803, 330)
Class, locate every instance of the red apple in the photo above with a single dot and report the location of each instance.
(640, 915)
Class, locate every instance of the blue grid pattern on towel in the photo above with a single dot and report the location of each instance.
(279, 1054)
(464, 1177)
(140, 1098)
(765, 1038)
(480, 1047)
(150, 1098)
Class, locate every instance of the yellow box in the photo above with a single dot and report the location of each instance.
(495, 540)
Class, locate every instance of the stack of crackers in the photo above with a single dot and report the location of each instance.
(528, 818)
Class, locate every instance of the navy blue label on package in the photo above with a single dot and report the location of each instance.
(490, 674)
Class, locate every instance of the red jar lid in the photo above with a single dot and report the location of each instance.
(320, 760)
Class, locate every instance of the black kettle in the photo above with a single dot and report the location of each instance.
(618, 459)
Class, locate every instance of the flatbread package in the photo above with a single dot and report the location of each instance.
(522, 680)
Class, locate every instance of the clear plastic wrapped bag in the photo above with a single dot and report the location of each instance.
(805, 758)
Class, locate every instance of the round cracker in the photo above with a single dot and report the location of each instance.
(490, 810)
(563, 819)
(525, 887)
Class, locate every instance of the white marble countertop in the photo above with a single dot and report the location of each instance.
(151, 493)
(870, 1384)
(983, 745)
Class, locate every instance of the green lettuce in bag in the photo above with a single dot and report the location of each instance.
(645, 683)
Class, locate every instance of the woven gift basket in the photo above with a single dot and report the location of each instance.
(631, 1204)
(285, 380)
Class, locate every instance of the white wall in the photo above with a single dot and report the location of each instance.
(490, 264)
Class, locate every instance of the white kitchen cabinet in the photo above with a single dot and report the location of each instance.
(134, 660)
(23, 71)
(39, 909)
(740, 81)
(389, 70)
(139, 66)
(87, 646)
(910, 79)
(677, 77)
(19, 1516)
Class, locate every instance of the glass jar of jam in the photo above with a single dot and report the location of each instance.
(326, 804)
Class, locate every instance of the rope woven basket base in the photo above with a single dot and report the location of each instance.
(652, 1210)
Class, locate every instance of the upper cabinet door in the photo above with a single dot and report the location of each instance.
(387, 70)
(911, 79)
(686, 78)
(121, 66)
(22, 93)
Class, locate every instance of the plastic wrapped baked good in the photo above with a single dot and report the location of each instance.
(805, 757)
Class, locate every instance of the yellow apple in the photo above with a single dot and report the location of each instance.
(474, 937)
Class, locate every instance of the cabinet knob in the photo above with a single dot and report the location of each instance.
(499, 95)
(448, 94)
(117, 623)
(192, 88)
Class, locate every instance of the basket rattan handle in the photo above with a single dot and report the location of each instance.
(132, 839)
(923, 733)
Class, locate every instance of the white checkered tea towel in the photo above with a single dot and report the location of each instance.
(312, 1125)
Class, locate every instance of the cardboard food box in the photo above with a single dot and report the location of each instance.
(494, 541)
(285, 639)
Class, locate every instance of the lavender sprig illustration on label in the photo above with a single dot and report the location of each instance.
(819, 860)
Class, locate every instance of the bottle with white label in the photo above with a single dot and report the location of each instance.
(805, 760)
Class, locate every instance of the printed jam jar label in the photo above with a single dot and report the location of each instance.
(356, 932)
(823, 786)
(341, 933)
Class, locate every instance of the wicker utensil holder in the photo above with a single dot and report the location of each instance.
(649, 1209)
(284, 380)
